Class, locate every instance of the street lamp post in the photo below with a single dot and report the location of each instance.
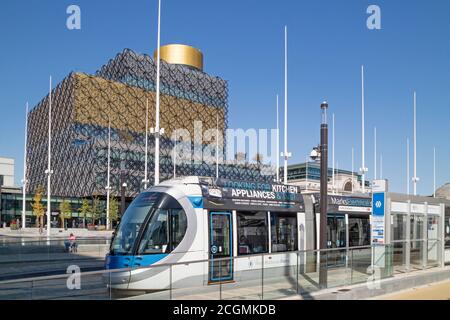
(108, 186)
(323, 194)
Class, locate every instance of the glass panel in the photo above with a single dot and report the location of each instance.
(284, 232)
(252, 232)
(178, 226)
(247, 279)
(336, 232)
(336, 235)
(433, 228)
(399, 227)
(220, 247)
(433, 253)
(416, 254)
(447, 227)
(189, 282)
(417, 225)
(155, 239)
(359, 232)
(399, 256)
(337, 272)
(132, 220)
(359, 261)
(280, 275)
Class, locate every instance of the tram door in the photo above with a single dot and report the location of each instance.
(336, 238)
(220, 247)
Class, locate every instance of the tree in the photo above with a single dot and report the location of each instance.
(240, 157)
(113, 209)
(258, 158)
(38, 207)
(96, 210)
(65, 212)
(84, 210)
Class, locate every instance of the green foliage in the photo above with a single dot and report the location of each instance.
(38, 206)
(96, 210)
(84, 210)
(113, 209)
(65, 209)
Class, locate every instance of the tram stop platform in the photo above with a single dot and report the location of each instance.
(425, 284)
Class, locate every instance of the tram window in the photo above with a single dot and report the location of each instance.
(178, 227)
(284, 232)
(166, 228)
(131, 223)
(155, 239)
(252, 232)
(447, 227)
(359, 232)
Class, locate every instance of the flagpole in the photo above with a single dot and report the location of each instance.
(49, 170)
(24, 181)
(108, 187)
(146, 148)
(363, 168)
(286, 154)
(334, 163)
(278, 145)
(158, 67)
(217, 147)
(434, 172)
(407, 166)
(415, 178)
(375, 155)
(353, 165)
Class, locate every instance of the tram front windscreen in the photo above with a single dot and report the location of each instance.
(131, 223)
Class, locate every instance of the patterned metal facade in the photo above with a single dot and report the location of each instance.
(84, 105)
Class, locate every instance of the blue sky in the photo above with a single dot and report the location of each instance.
(243, 43)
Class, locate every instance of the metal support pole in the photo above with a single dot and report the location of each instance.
(24, 181)
(323, 194)
(49, 170)
(158, 72)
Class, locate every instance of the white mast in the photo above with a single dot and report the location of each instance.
(146, 149)
(407, 166)
(24, 181)
(375, 154)
(353, 165)
(49, 170)
(285, 154)
(363, 168)
(158, 66)
(278, 145)
(415, 178)
(306, 173)
(434, 172)
(174, 158)
(108, 187)
(217, 146)
(333, 163)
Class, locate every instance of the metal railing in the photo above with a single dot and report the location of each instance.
(255, 276)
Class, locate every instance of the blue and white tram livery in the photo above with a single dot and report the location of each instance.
(194, 218)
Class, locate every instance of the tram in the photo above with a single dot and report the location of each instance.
(219, 222)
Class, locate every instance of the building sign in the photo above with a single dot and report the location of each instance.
(379, 186)
(378, 218)
(338, 204)
(251, 196)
